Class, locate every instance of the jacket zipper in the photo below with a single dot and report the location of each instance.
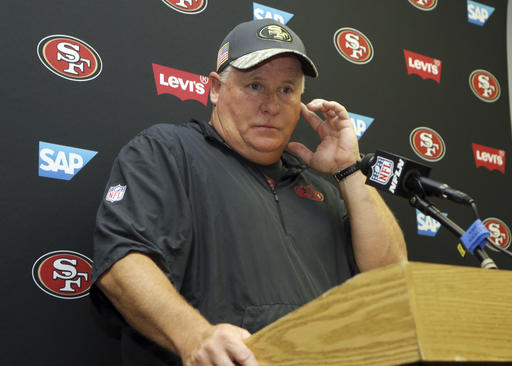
(272, 186)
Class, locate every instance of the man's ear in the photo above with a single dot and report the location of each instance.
(215, 85)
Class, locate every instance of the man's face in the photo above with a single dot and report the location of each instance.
(257, 110)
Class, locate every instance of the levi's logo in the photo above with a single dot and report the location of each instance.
(492, 159)
(425, 67)
(182, 84)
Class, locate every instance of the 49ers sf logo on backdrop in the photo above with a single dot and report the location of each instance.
(424, 5)
(500, 233)
(353, 45)
(484, 85)
(187, 6)
(63, 274)
(427, 144)
(69, 57)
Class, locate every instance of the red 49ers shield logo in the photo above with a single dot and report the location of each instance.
(484, 85)
(63, 274)
(353, 45)
(69, 57)
(500, 233)
(427, 144)
(424, 5)
(187, 6)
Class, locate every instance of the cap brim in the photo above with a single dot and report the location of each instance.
(255, 58)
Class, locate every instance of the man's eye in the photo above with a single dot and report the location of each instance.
(286, 90)
(255, 86)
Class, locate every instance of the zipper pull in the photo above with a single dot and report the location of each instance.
(272, 186)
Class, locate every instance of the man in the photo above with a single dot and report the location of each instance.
(210, 230)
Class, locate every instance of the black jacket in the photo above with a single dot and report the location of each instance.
(239, 247)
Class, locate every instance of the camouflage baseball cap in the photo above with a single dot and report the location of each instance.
(253, 42)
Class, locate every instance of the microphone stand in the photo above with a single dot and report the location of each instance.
(428, 208)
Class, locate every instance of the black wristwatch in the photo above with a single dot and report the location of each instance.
(342, 174)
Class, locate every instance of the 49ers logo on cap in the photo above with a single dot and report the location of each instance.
(425, 5)
(353, 45)
(187, 6)
(63, 274)
(500, 233)
(275, 32)
(484, 85)
(69, 57)
(427, 144)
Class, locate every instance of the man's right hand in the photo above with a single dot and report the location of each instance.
(219, 345)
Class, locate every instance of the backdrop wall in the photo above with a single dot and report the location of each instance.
(426, 79)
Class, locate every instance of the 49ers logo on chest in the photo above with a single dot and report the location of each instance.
(353, 45)
(63, 274)
(187, 6)
(485, 86)
(427, 144)
(69, 57)
(500, 233)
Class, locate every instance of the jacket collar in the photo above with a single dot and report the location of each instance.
(291, 162)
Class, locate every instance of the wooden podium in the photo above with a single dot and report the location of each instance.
(405, 314)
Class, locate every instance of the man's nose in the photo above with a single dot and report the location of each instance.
(271, 104)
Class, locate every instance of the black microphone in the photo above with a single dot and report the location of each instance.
(400, 176)
(428, 187)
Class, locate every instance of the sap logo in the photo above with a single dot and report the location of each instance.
(361, 123)
(266, 12)
(62, 162)
(478, 13)
(427, 226)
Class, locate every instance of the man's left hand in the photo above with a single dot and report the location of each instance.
(338, 147)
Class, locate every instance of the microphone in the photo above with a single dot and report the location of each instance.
(400, 176)
(429, 187)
